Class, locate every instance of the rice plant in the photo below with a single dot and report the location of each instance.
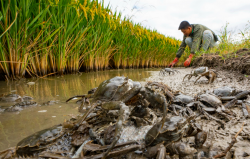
(45, 37)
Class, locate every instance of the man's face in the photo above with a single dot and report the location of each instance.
(187, 31)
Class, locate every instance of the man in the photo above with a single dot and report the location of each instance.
(196, 36)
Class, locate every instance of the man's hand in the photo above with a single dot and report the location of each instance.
(174, 62)
(188, 61)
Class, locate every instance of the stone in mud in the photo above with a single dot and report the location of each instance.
(27, 98)
(10, 98)
(24, 98)
(1, 110)
(51, 102)
(20, 106)
(14, 98)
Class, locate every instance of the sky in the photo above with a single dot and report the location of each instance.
(166, 15)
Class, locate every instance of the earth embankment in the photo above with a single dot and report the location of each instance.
(238, 61)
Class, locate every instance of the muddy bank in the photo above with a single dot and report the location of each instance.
(218, 137)
(238, 61)
(100, 128)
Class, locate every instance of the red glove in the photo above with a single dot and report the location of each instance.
(174, 62)
(188, 61)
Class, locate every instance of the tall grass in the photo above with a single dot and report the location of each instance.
(44, 37)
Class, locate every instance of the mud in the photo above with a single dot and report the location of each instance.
(225, 78)
(238, 61)
(218, 138)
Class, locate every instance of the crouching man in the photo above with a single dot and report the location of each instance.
(197, 37)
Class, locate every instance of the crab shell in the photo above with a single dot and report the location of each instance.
(211, 100)
(114, 88)
(172, 131)
(200, 70)
(37, 141)
(168, 69)
(224, 91)
(185, 99)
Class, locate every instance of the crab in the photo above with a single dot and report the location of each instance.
(112, 94)
(172, 132)
(230, 94)
(234, 99)
(164, 71)
(210, 103)
(38, 141)
(180, 100)
(210, 100)
(174, 129)
(202, 71)
(142, 116)
(183, 99)
(109, 108)
(58, 138)
(224, 91)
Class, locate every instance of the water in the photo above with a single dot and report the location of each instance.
(16, 126)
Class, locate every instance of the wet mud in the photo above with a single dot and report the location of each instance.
(218, 138)
(97, 127)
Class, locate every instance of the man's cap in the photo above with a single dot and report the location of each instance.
(184, 25)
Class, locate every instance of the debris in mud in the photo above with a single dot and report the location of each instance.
(224, 153)
(42, 111)
(121, 117)
(51, 102)
(31, 83)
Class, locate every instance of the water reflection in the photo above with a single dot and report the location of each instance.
(16, 126)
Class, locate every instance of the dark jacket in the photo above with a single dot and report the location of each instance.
(196, 35)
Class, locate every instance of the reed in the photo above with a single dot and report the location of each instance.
(44, 37)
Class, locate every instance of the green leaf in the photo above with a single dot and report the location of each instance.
(35, 19)
(51, 35)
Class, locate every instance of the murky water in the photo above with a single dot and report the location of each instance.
(16, 126)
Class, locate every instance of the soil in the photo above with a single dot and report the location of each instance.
(218, 138)
(238, 61)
